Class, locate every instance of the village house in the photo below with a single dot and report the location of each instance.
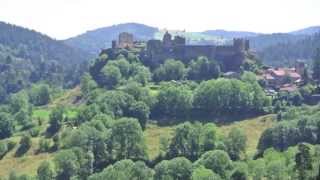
(284, 79)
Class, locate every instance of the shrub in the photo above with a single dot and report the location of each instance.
(44, 145)
(25, 144)
(3, 148)
(34, 132)
(11, 145)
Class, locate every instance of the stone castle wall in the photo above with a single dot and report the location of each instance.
(230, 57)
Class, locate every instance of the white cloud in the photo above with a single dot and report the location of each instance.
(65, 18)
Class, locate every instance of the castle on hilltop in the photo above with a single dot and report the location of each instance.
(230, 57)
(125, 40)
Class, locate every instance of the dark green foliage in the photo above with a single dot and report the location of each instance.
(239, 175)
(6, 125)
(96, 67)
(44, 145)
(240, 172)
(125, 169)
(67, 164)
(140, 93)
(35, 131)
(227, 96)
(86, 113)
(140, 111)
(201, 173)
(303, 161)
(14, 176)
(110, 73)
(39, 95)
(126, 140)
(92, 136)
(20, 107)
(46, 171)
(203, 69)
(218, 161)
(316, 65)
(178, 168)
(3, 148)
(192, 140)
(257, 169)
(27, 56)
(25, 144)
(170, 70)
(56, 119)
(123, 65)
(19, 102)
(173, 101)
(299, 125)
(186, 141)
(73, 163)
(284, 49)
(23, 118)
(87, 84)
(120, 104)
(236, 143)
(56, 142)
(140, 74)
(277, 170)
(110, 76)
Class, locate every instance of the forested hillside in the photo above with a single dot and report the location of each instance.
(28, 57)
(307, 31)
(33, 45)
(177, 121)
(287, 52)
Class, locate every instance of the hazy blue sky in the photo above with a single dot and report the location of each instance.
(65, 18)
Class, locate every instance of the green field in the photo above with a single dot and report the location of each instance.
(29, 163)
(253, 128)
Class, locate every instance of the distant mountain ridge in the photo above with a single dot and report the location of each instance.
(93, 41)
(307, 31)
(230, 34)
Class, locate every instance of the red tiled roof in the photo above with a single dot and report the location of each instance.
(288, 88)
(294, 75)
(278, 72)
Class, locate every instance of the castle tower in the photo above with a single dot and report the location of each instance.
(300, 67)
(247, 45)
(167, 40)
(239, 44)
(114, 44)
(125, 40)
(179, 41)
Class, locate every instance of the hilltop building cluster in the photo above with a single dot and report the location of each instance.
(230, 57)
(284, 79)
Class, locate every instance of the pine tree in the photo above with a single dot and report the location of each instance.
(316, 66)
(303, 161)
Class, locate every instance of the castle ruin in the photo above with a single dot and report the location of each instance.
(230, 57)
(125, 40)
